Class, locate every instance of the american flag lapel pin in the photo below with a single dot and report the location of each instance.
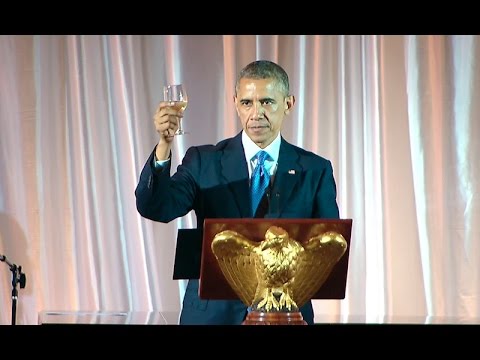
(291, 172)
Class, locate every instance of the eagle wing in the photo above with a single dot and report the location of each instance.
(321, 254)
(236, 258)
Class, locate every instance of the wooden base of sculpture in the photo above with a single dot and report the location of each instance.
(274, 318)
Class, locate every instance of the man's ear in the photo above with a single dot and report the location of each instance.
(289, 102)
(235, 101)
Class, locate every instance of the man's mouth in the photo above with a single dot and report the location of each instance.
(258, 126)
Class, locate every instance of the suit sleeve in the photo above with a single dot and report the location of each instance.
(161, 197)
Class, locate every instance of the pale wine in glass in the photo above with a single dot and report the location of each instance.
(177, 95)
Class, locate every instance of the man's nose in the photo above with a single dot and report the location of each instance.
(258, 110)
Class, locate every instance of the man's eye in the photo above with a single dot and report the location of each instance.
(267, 102)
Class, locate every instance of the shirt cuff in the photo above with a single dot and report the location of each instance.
(160, 164)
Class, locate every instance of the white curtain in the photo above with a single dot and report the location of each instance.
(396, 115)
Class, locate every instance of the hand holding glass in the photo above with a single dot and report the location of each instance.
(177, 95)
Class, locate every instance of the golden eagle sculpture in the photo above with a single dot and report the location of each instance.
(278, 274)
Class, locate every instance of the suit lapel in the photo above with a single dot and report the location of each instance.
(235, 172)
(287, 175)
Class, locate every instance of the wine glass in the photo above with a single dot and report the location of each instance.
(177, 95)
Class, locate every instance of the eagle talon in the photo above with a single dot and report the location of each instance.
(269, 301)
(286, 301)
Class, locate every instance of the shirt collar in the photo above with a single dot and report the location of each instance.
(251, 148)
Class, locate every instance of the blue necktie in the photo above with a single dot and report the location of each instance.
(260, 180)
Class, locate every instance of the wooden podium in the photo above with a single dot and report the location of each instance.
(195, 259)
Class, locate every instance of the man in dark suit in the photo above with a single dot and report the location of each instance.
(214, 180)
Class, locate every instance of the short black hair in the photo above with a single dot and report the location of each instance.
(264, 69)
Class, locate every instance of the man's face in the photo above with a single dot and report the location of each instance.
(261, 107)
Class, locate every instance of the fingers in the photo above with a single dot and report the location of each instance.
(168, 134)
(166, 120)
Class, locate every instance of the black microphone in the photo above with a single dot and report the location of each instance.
(273, 202)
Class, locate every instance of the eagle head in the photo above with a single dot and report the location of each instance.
(275, 237)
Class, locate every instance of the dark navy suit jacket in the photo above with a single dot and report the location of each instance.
(213, 181)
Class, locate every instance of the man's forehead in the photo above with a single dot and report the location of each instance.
(252, 86)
